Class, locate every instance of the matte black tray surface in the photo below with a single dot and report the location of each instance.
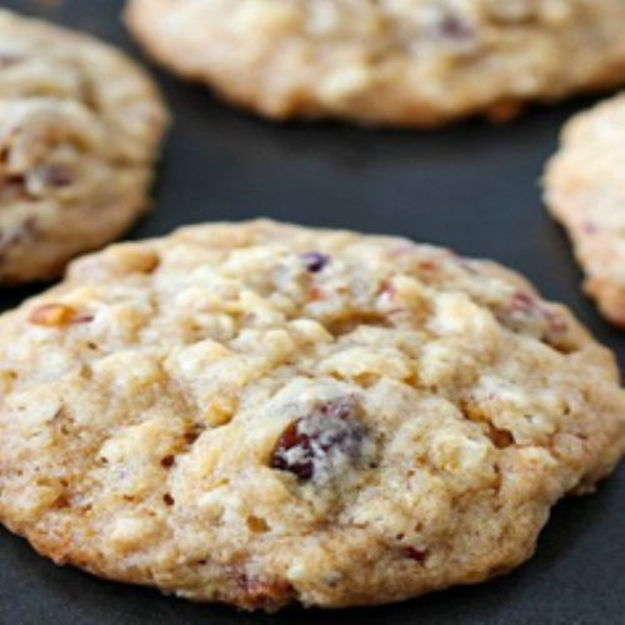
(473, 187)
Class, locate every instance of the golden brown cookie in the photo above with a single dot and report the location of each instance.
(80, 126)
(260, 413)
(404, 63)
(585, 191)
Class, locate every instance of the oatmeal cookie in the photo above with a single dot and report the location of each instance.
(404, 63)
(80, 126)
(585, 191)
(260, 413)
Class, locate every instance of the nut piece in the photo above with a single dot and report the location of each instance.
(52, 315)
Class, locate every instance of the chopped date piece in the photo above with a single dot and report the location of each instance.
(316, 446)
(315, 261)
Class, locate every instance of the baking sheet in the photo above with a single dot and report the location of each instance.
(474, 188)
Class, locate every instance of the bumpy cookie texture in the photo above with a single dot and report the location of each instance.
(398, 62)
(80, 126)
(261, 413)
(585, 191)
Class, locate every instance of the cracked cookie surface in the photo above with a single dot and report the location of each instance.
(585, 191)
(396, 62)
(261, 413)
(80, 126)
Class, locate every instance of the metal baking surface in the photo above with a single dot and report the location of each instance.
(473, 187)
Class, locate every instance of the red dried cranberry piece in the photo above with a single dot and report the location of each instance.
(300, 464)
(315, 261)
(524, 310)
(452, 26)
(414, 553)
(315, 445)
(523, 302)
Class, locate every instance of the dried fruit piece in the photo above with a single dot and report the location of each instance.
(500, 438)
(524, 313)
(315, 261)
(319, 444)
(453, 26)
(168, 461)
(414, 553)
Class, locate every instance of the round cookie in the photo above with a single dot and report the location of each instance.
(80, 126)
(585, 191)
(260, 413)
(409, 63)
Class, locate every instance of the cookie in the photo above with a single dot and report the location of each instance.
(410, 63)
(80, 126)
(585, 191)
(260, 413)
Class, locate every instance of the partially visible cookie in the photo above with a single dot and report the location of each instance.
(260, 413)
(408, 63)
(585, 191)
(80, 127)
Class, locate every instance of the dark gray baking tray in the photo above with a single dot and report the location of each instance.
(473, 187)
